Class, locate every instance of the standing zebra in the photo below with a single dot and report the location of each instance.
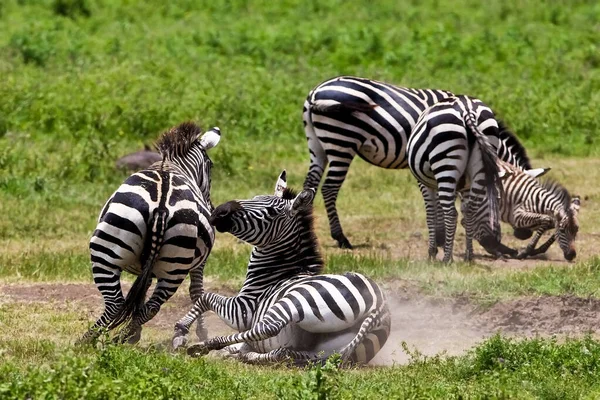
(528, 204)
(348, 116)
(155, 225)
(453, 143)
(286, 309)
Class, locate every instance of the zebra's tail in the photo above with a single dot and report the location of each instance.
(490, 166)
(137, 294)
(378, 323)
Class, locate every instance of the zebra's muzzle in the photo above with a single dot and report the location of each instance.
(221, 216)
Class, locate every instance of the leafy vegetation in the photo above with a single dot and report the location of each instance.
(498, 368)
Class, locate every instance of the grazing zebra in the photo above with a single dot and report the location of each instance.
(454, 143)
(155, 225)
(286, 310)
(348, 116)
(528, 204)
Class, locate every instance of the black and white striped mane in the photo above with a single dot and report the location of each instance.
(177, 141)
(512, 142)
(559, 191)
(312, 262)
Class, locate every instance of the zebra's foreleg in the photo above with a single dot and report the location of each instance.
(430, 199)
(196, 290)
(379, 323)
(544, 247)
(338, 169)
(525, 219)
(269, 326)
(234, 311)
(107, 280)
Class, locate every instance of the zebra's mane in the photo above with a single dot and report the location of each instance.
(177, 141)
(311, 260)
(512, 142)
(559, 191)
(289, 194)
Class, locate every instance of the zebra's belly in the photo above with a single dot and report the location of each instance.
(293, 337)
(374, 152)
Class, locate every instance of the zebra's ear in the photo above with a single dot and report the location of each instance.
(575, 204)
(211, 138)
(537, 172)
(504, 173)
(303, 201)
(281, 184)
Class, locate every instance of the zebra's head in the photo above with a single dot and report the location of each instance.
(567, 227)
(267, 220)
(186, 146)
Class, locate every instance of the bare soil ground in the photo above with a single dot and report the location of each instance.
(428, 325)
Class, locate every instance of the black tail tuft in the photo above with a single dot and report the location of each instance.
(134, 302)
(489, 159)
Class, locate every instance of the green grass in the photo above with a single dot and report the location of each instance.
(498, 368)
(87, 81)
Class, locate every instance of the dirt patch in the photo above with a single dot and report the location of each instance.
(429, 325)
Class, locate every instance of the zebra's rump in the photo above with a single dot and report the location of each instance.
(125, 223)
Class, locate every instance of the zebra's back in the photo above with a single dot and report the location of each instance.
(379, 135)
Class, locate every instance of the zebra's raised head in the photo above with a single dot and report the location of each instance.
(567, 224)
(280, 225)
(185, 146)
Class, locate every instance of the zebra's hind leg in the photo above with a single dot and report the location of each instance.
(372, 335)
(281, 355)
(196, 290)
(108, 282)
(162, 292)
(430, 198)
(338, 169)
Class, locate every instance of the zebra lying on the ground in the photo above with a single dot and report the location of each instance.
(347, 116)
(453, 143)
(155, 225)
(528, 204)
(286, 310)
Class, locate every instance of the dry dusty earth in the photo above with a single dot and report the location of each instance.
(429, 325)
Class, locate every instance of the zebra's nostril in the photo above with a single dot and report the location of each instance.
(569, 256)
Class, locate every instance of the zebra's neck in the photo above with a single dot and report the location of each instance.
(295, 256)
(192, 167)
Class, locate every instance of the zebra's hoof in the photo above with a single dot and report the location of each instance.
(522, 255)
(197, 350)
(179, 341)
(344, 243)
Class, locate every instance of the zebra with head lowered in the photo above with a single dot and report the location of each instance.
(528, 204)
(453, 144)
(286, 310)
(155, 225)
(347, 116)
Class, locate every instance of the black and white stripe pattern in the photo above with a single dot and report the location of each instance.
(348, 116)
(528, 204)
(286, 310)
(454, 144)
(155, 225)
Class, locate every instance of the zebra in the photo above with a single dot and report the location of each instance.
(347, 116)
(287, 310)
(454, 143)
(528, 204)
(155, 225)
